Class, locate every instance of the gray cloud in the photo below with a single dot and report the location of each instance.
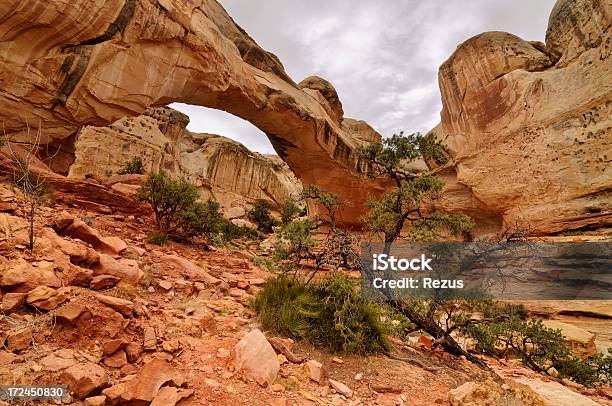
(382, 57)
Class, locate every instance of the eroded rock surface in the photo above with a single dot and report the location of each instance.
(221, 168)
(529, 124)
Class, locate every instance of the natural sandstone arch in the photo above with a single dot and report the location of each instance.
(92, 62)
(527, 124)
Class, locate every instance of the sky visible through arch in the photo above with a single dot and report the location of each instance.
(382, 56)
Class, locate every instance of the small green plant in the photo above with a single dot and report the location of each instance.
(230, 232)
(133, 167)
(199, 218)
(289, 210)
(176, 209)
(158, 238)
(540, 348)
(260, 215)
(329, 313)
(265, 263)
(88, 220)
(298, 235)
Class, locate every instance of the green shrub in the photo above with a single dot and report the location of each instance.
(158, 238)
(177, 211)
(593, 371)
(328, 313)
(496, 310)
(289, 210)
(135, 166)
(540, 348)
(260, 215)
(298, 239)
(200, 219)
(231, 232)
(264, 262)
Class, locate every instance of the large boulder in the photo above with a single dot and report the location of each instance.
(65, 252)
(69, 225)
(123, 306)
(22, 277)
(125, 269)
(555, 394)
(145, 387)
(324, 89)
(256, 358)
(189, 270)
(11, 302)
(491, 392)
(581, 340)
(46, 298)
(85, 378)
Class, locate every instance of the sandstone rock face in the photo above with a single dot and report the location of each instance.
(555, 394)
(221, 168)
(93, 62)
(528, 125)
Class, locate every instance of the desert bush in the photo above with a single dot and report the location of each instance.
(590, 372)
(540, 348)
(260, 215)
(133, 167)
(299, 239)
(289, 210)
(158, 238)
(203, 219)
(230, 231)
(167, 197)
(329, 313)
(177, 212)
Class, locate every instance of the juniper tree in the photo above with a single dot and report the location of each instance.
(400, 214)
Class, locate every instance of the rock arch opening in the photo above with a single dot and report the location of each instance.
(213, 121)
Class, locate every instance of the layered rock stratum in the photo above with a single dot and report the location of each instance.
(527, 124)
(222, 169)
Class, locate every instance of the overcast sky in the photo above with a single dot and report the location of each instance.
(382, 56)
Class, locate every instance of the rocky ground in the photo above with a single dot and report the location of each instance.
(120, 321)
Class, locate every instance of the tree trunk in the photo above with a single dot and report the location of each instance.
(432, 328)
(31, 218)
(387, 247)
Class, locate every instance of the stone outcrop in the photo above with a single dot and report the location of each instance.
(92, 62)
(222, 169)
(529, 126)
